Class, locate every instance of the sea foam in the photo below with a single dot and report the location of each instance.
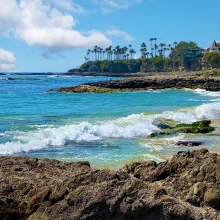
(133, 126)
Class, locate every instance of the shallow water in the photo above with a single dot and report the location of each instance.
(108, 130)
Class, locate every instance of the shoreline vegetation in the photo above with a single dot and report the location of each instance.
(182, 56)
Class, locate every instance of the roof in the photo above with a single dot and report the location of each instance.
(214, 44)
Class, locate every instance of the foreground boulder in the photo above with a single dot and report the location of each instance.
(185, 187)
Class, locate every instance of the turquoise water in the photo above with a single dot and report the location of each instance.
(108, 130)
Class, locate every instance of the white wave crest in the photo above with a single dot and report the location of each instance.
(207, 93)
(130, 127)
(133, 126)
(205, 111)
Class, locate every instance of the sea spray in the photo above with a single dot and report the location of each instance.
(131, 127)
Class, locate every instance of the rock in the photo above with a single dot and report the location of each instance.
(196, 127)
(146, 83)
(188, 143)
(184, 187)
(212, 197)
(38, 197)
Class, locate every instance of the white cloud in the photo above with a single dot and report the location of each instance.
(109, 6)
(119, 33)
(7, 60)
(9, 16)
(37, 23)
(116, 3)
(68, 5)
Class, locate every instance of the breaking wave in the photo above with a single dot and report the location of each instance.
(133, 126)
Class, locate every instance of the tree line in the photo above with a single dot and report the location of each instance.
(182, 56)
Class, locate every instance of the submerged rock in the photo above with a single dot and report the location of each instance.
(188, 143)
(196, 127)
(184, 187)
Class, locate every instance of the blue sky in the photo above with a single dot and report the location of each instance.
(54, 35)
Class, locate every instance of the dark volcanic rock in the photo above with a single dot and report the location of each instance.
(188, 143)
(145, 83)
(185, 187)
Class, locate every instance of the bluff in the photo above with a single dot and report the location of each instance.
(187, 186)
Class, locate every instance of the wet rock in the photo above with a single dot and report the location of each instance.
(146, 83)
(196, 127)
(187, 186)
(188, 143)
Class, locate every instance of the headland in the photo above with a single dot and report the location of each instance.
(208, 80)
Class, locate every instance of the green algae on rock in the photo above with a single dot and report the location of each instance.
(194, 128)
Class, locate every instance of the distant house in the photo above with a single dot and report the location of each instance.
(194, 52)
(213, 47)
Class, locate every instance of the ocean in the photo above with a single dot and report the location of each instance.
(108, 129)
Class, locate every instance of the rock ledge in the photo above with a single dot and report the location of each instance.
(185, 187)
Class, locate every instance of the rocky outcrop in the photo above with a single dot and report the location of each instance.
(146, 83)
(188, 143)
(194, 128)
(185, 187)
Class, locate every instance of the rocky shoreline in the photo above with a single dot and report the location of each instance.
(156, 81)
(187, 186)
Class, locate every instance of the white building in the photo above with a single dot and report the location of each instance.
(213, 48)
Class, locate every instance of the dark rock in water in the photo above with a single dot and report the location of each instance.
(187, 186)
(1, 74)
(188, 143)
(146, 83)
(196, 127)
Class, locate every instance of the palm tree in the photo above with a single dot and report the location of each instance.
(151, 39)
(147, 54)
(88, 54)
(169, 47)
(130, 50)
(155, 49)
(155, 39)
(175, 43)
(95, 51)
(103, 52)
(143, 50)
(92, 55)
(161, 49)
(100, 53)
(164, 50)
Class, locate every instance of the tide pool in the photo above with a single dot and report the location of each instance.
(108, 130)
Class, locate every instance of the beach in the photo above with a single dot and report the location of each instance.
(114, 153)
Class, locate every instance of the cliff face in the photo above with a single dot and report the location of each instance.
(185, 187)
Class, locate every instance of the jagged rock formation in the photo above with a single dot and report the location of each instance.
(185, 187)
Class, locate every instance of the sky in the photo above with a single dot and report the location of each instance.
(54, 35)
